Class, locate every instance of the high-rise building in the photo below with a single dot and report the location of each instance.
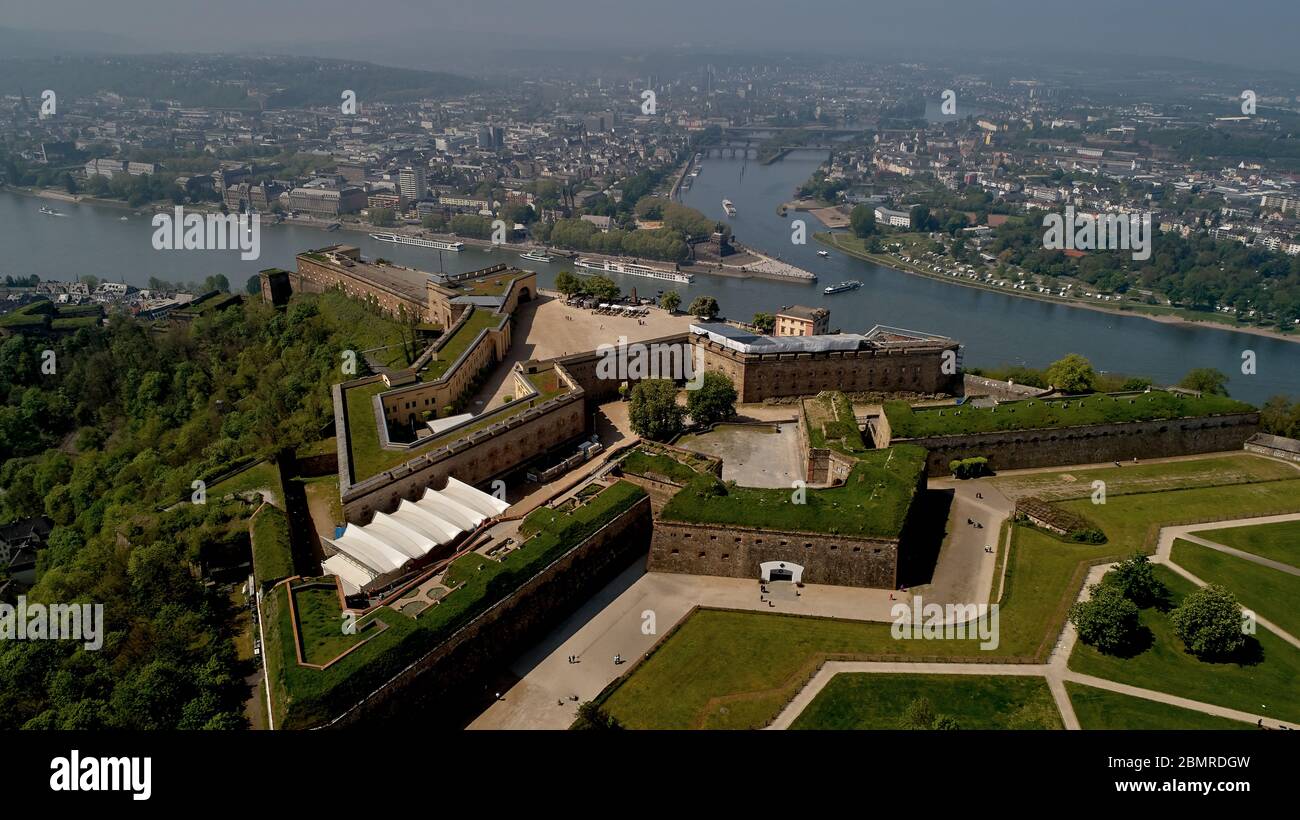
(412, 184)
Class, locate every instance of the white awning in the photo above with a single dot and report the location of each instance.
(351, 575)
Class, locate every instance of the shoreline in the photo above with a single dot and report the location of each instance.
(1165, 319)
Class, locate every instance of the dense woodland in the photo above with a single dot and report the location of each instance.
(130, 418)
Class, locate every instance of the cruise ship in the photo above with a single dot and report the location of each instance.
(436, 244)
(852, 284)
(535, 256)
(729, 207)
(632, 269)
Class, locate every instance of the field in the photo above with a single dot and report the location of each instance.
(1279, 542)
(458, 342)
(1270, 592)
(1217, 471)
(1263, 683)
(321, 624)
(832, 423)
(878, 701)
(1030, 414)
(263, 476)
(1103, 709)
(640, 462)
(272, 555)
(722, 669)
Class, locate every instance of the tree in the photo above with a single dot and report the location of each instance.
(593, 718)
(920, 714)
(1280, 417)
(1072, 374)
(705, 307)
(253, 286)
(713, 401)
(601, 287)
(382, 217)
(765, 322)
(1107, 620)
(654, 411)
(1209, 622)
(1205, 380)
(863, 221)
(567, 283)
(1135, 578)
(670, 301)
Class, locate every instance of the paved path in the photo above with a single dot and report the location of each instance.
(1055, 671)
(1248, 556)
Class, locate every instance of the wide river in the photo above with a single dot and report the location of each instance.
(995, 328)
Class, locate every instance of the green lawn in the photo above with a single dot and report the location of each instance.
(261, 476)
(458, 342)
(1217, 471)
(878, 701)
(1279, 542)
(1029, 414)
(873, 501)
(1270, 592)
(751, 664)
(1103, 709)
(1267, 687)
(1130, 521)
(831, 423)
(320, 619)
(639, 462)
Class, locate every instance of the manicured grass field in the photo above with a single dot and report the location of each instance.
(1128, 520)
(1270, 592)
(1030, 414)
(878, 701)
(1238, 468)
(1280, 542)
(1267, 687)
(752, 664)
(873, 501)
(1102, 709)
(321, 623)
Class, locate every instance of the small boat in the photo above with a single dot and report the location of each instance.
(49, 211)
(729, 207)
(121, 219)
(535, 256)
(852, 284)
(823, 253)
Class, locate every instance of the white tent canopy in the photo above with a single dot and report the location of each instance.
(392, 541)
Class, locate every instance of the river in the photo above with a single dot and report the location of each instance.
(995, 328)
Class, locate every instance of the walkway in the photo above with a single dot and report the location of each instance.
(1056, 671)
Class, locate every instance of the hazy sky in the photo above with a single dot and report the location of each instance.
(1246, 32)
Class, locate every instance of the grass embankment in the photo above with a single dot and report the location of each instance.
(1033, 414)
(315, 695)
(1263, 682)
(1145, 477)
(1103, 709)
(1270, 592)
(873, 501)
(640, 462)
(723, 669)
(458, 342)
(272, 552)
(878, 701)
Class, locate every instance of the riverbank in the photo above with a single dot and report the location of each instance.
(887, 261)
